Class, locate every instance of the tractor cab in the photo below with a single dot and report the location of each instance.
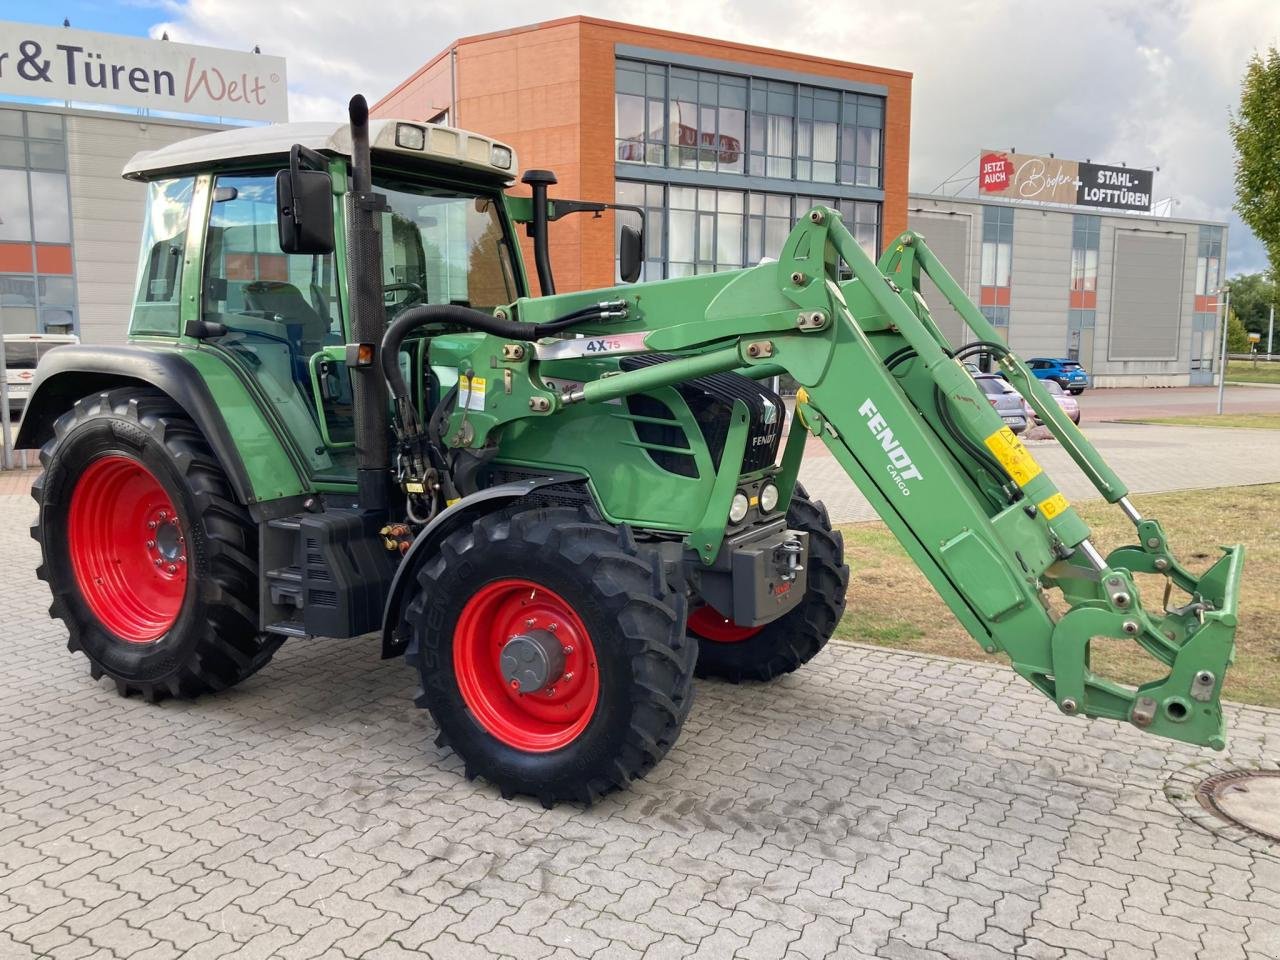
(214, 274)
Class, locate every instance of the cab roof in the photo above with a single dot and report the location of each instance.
(440, 144)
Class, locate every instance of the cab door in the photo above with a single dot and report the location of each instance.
(280, 319)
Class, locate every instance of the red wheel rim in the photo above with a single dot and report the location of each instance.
(708, 623)
(535, 722)
(128, 549)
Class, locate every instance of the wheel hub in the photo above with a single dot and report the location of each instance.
(127, 548)
(532, 661)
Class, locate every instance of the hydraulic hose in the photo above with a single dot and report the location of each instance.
(448, 313)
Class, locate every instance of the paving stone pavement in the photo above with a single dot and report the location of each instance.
(876, 804)
(1148, 458)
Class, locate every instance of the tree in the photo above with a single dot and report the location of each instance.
(1256, 132)
(1237, 335)
(1251, 298)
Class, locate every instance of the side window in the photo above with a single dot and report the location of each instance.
(255, 289)
(158, 293)
(279, 311)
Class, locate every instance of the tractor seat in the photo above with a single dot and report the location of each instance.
(286, 302)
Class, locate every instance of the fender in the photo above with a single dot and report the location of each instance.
(66, 374)
(465, 510)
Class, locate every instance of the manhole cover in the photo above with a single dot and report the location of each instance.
(1247, 798)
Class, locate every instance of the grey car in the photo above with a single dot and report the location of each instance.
(1007, 401)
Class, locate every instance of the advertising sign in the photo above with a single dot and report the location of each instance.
(1022, 176)
(59, 63)
(1119, 188)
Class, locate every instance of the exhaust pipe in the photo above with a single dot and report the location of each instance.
(368, 316)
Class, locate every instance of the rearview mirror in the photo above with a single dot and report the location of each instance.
(304, 209)
(630, 253)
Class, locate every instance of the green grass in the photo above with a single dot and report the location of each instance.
(1256, 421)
(891, 604)
(1246, 371)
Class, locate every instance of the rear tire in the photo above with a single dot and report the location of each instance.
(609, 711)
(151, 561)
(730, 652)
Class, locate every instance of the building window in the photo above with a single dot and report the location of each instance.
(708, 230)
(1085, 233)
(36, 276)
(998, 317)
(861, 139)
(707, 121)
(997, 246)
(640, 102)
(1209, 261)
(650, 197)
(817, 135)
(1082, 299)
(700, 120)
(704, 230)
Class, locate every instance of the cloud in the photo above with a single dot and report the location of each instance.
(1147, 82)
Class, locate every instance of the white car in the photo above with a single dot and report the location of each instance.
(22, 351)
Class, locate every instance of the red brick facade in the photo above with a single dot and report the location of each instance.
(548, 90)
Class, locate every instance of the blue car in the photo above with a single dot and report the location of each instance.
(1068, 374)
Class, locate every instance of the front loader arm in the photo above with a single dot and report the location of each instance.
(883, 390)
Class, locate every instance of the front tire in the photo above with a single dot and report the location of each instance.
(731, 652)
(151, 562)
(616, 680)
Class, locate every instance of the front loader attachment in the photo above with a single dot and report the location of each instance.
(990, 529)
(892, 400)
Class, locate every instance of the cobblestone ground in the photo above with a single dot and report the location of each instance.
(876, 804)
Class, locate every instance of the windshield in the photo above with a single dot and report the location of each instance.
(444, 246)
(28, 353)
(1070, 366)
(1052, 387)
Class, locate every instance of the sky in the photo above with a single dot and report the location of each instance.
(1150, 83)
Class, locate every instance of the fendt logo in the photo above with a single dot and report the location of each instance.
(901, 469)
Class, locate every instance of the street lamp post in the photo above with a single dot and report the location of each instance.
(1222, 370)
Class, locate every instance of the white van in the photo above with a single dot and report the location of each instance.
(22, 351)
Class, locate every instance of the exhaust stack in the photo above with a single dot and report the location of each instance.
(368, 316)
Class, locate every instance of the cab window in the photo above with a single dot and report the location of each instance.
(278, 309)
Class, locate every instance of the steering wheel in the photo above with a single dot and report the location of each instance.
(417, 293)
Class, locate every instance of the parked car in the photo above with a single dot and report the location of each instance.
(1065, 372)
(22, 351)
(1069, 404)
(1007, 401)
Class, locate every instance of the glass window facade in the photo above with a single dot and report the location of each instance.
(1085, 233)
(672, 116)
(997, 246)
(37, 286)
(692, 230)
(1209, 261)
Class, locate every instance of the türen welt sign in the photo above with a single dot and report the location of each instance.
(57, 63)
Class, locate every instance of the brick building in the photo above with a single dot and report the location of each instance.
(724, 144)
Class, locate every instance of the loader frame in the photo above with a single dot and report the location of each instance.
(886, 393)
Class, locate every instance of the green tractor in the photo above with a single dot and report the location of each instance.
(341, 412)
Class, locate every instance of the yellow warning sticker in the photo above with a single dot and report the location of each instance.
(1053, 506)
(1013, 456)
(471, 392)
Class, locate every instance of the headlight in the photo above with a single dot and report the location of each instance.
(738, 509)
(500, 156)
(768, 498)
(410, 137)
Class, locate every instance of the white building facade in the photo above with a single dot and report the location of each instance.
(1134, 298)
